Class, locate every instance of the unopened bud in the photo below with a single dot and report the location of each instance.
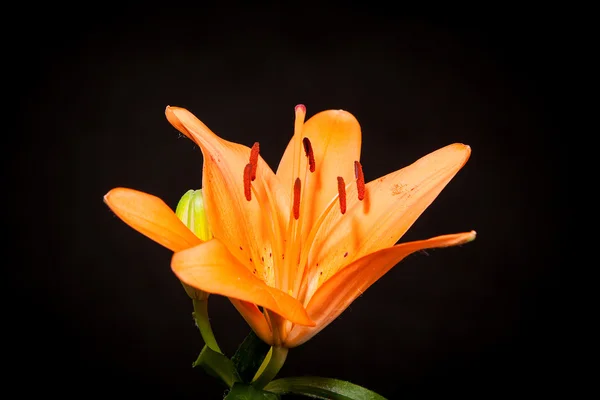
(190, 210)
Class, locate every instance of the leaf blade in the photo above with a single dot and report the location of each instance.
(217, 365)
(243, 391)
(322, 388)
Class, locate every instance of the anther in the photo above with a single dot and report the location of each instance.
(254, 159)
(342, 193)
(247, 176)
(297, 198)
(308, 150)
(360, 180)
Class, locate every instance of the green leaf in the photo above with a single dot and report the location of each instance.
(217, 365)
(322, 388)
(243, 391)
(249, 356)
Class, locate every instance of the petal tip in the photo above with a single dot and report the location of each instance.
(467, 237)
(173, 118)
(305, 320)
(463, 150)
(343, 114)
(463, 147)
(169, 113)
(338, 116)
(112, 193)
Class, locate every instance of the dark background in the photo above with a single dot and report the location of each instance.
(98, 309)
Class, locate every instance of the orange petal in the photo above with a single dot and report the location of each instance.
(336, 139)
(248, 228)
(212, 268)
(150, 216)
(336, 294)
(255, 318)
(392, 204)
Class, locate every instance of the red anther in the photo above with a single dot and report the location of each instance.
(360, 180)
(254, 159)
(308, 150)
(297, 198)
(247, 187)
(342, 193)
(301, 107)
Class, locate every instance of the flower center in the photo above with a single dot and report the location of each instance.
(293, 275)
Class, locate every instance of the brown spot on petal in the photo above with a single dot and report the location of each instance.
(397, 189)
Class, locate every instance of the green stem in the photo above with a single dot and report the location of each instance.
(278, 356)
(201, 317)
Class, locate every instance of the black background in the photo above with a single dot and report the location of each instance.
(98, 309)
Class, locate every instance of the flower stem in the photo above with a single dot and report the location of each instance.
(203, 324)
(278, 356)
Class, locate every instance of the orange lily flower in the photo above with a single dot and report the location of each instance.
(302, 243)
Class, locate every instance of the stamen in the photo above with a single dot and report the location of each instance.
(342, 193)
(247, 184)
(297, 198)
(306, 272)
(254, 160)
(360, 180)
(309, 154)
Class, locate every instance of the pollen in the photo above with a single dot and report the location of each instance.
(247, 176)
(342, 194)
(360, 180)
(254, 160)
(297, 198)
(308, 150)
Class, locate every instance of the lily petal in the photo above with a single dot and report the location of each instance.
(212, 268)
(391, 205)
(246, 227)
(331, 299)
(255, 318)
(150, 216)
(335, 136)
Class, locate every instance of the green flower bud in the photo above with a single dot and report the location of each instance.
(190, 210)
